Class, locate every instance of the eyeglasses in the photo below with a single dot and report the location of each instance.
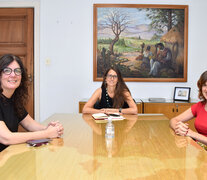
(112, 76)
(8, 71)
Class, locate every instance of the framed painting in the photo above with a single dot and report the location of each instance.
(147, 43)
(181, 94)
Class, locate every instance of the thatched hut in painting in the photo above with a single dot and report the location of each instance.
(174, 39)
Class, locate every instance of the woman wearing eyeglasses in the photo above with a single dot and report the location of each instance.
(13, 96)
(113, 96)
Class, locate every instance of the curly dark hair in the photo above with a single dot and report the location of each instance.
(20, 95)
(121, 88)
(201, 82)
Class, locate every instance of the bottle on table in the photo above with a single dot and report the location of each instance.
(109, 136)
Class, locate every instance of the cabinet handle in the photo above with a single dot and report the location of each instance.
(176, 110)
(173, 110)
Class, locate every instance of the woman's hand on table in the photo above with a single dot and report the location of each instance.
(181, 128)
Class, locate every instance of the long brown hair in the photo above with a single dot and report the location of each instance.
(202, 80)
(20, 95)
(120, 90)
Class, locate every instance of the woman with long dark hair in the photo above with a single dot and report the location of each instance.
(198, 110)
(113, 96)
(13, 96)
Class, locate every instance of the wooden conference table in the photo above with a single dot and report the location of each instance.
(144, 147)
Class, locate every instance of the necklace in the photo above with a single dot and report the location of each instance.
(107, 100)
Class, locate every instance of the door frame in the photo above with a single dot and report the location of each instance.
(36, 6)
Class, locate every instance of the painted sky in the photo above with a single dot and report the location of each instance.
(138, 26)
(137, 17)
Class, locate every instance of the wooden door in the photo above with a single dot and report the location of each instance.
(17, 37)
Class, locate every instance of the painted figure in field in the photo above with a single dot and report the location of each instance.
(145, 57)
(162, 59)
(147, 54)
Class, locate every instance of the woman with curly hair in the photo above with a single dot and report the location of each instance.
(13, 96)
(113, 96)
(198, 110)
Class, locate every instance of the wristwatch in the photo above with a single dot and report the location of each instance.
(120, 110)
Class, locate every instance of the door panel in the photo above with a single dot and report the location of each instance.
(164, 108)
(17, 37)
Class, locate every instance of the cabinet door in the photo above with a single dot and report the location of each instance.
(164, 108)
(181, 107)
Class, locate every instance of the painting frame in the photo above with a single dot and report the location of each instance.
(127, 77)
(181, 94)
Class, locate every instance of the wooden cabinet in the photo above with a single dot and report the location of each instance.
(138, 103)
(169, 109)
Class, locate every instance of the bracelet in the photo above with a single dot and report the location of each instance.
(120, 110)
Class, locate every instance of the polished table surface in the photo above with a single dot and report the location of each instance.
(144, 147)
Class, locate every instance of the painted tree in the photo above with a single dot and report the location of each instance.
(117, 21)
(164, 18)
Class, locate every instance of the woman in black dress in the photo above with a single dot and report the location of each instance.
(113, 96)
(13, 96)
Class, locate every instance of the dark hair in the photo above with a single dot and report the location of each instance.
(161, 45)
(21, 93)
(148, 48)
(121, 88)
(202, 80)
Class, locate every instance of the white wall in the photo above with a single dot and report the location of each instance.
(66, 39)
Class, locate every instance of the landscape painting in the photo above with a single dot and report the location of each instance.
(147, 43)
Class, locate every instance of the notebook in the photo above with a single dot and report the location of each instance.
(103, 118)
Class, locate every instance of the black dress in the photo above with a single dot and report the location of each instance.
(9, 116)
(106, 101)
